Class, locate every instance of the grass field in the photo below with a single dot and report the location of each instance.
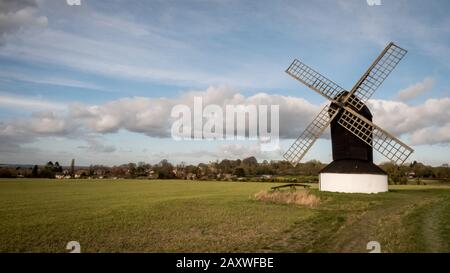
(179, 216)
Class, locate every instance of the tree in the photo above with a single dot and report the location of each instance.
(57, 167)
(141, 169)
(250, 161)
(250, 165)
(72, 168)
(225, 166)
(132, 169)
(396, 175)
(164, 170)
(48, 171)
(202, 170)
(238, 162)
(34, 171)
(239, 172)
(5, 173)
(91, 171)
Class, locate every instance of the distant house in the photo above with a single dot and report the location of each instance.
(191, 176)
(179, 173)
(80, 173)
(152, 174)
(229, 176)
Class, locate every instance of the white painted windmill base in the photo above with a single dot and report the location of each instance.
(353, 183)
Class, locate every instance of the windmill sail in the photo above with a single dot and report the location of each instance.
(375, 75)
(314, 80)
(354, 101)
(312, 132)
(389, 146)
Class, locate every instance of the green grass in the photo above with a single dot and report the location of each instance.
(186, 216)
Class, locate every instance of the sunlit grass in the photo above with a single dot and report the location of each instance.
(186, 216)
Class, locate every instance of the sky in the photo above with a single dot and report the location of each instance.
(97, 81)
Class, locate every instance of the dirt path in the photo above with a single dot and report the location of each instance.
(405, 222)
(432, 237)
(381, 224)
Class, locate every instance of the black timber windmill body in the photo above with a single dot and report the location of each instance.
(353, 135)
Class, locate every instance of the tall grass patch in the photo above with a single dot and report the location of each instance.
(302, 197)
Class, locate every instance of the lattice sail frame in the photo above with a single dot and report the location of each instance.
(380, 140)
(383, 142)
(312, 132)
(375, 75)
(314, 80)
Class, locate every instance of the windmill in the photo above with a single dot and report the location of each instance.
(353, 134)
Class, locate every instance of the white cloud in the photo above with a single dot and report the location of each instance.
(17, 102)
(400, 118)
(432, 135)
(18, 14)
(151, 116)
(53, 80)
(239, 151)
(112, 58)
(96, 145)
(186, 51)
(119, 46)
(416, 89)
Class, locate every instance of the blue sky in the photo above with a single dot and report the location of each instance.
(95, 82)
